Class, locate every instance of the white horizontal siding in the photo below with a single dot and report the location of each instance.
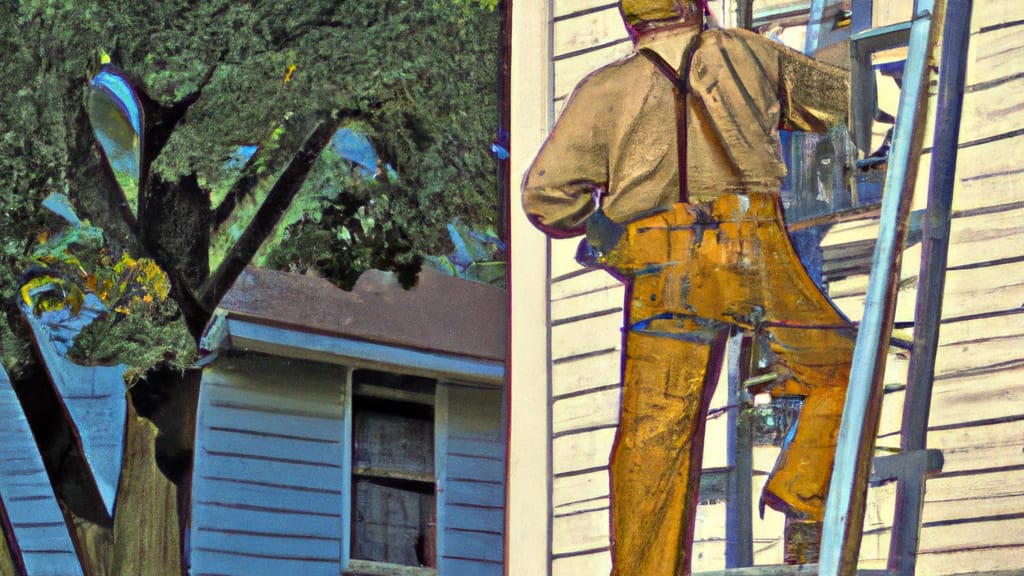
(586, 313)
(473, 487)
(268, 469)
(973, 510)
(977, 391)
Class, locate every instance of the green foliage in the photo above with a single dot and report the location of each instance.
(478, 256)
(421, 77)
(345, 226)
(142, 328)
(141, 335)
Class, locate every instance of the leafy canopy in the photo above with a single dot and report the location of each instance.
(418, 78)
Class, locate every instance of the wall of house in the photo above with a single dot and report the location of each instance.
(267, 483)
(270, 488)
(973, 509)
(586, 317)
(30, 515)
(974, 512)
(473, 495)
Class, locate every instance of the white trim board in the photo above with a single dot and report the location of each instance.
(249, 336)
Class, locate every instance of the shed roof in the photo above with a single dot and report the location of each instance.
(439, 314)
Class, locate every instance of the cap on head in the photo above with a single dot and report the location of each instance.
(638, 11)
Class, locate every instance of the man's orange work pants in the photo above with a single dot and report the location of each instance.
(695, 272)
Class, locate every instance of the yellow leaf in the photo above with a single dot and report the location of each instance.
(39, 282)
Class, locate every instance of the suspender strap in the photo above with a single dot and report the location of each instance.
(682, 91)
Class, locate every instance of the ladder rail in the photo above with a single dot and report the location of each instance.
(844, 513)
(934, 256)
(739, 532)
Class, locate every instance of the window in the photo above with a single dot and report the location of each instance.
(394, 486)
(424, 477)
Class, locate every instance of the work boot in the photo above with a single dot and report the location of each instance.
(802, 541)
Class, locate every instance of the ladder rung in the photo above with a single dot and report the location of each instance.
(785, 570)
(913, 462)
(882, 37)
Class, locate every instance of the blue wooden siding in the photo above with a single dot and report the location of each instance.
(268, 469)
(474, 483)
(32, 515)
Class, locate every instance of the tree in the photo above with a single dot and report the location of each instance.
(213, 78)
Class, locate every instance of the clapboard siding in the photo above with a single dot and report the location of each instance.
(275, 445)
(577, 490)
(490, 520)
(267, 496)
(473, 495)
(571, 68)
(565, 9)
(586, 336)
(996, 560)
(585, 450)
(472, 566)
(1000, 443)
(563, 257)
(584, 283)
(585, 29)
(584, 532)
(978, 386)
(600, 408)
(302, 499)
(987, 16)
(605, 301)
(583, 506)
(219, 562)
(995, 54)
(586, 313)
(596, 562)
(586, 372)
(974, 509)
(268, 542)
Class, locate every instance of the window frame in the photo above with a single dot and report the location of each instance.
(438, 400)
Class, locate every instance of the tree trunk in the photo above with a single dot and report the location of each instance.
(146, 539)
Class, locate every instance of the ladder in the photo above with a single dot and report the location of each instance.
(844, 516)
(854, 466)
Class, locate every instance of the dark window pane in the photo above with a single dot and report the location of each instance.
(395, 437)
(394, 522)
(393, 488)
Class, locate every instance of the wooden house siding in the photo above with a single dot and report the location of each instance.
(267, 495)
(973, 518)
(586, 309)
(974, 509)
(274, 471)
(472, 493)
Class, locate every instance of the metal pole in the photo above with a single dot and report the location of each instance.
(814, 26)
(934, 252)
(844, 510)
(745, 14)
(739, 542)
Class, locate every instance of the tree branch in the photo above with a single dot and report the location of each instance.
(166, 118)
(250, 179)
(270, 212)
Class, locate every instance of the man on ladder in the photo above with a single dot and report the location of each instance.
(669, 161)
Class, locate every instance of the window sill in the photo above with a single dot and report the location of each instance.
(368, 568)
